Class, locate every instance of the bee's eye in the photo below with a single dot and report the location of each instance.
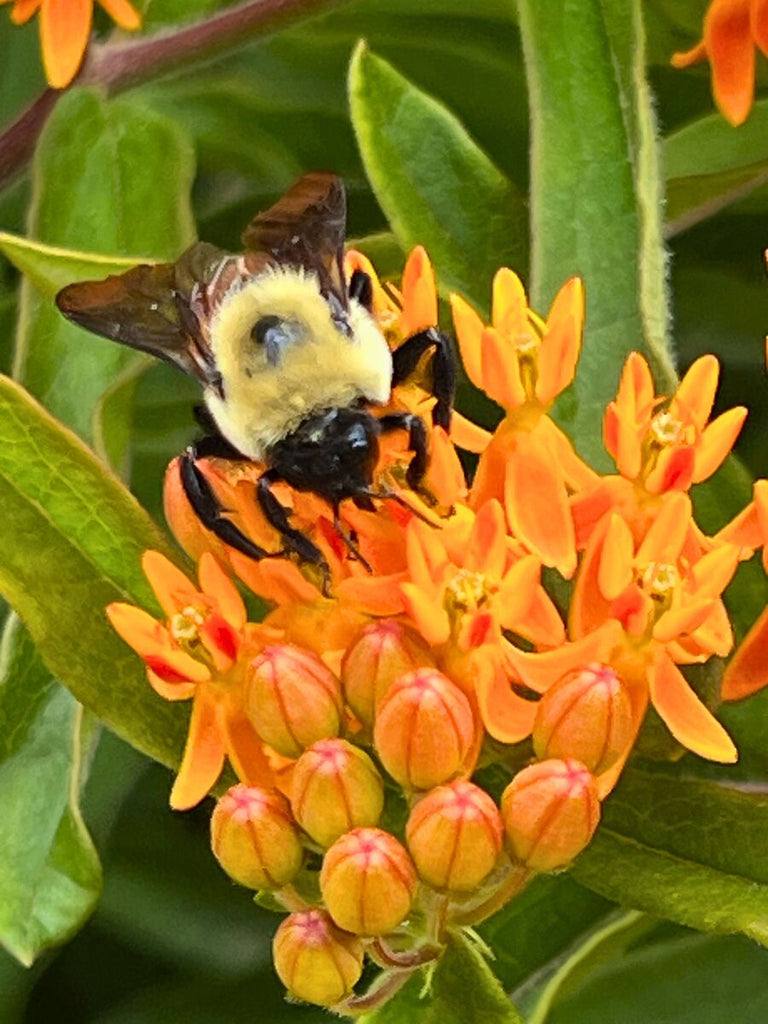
(273, 335)
(264, 327)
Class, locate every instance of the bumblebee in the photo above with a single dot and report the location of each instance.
(291, 362)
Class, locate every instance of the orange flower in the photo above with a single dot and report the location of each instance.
(467, 582)
(523, 364)
(665, 449)
(65, 26)
(732, 30)
(749, 529)
(671, 612)
(200, 651)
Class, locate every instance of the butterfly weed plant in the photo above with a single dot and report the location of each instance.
(463, 683)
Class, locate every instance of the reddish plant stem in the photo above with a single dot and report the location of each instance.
(118, 65)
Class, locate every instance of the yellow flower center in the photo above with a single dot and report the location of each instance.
(467, 590)
(666, 429)
(660, 580)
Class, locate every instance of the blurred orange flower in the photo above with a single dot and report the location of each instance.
(732, 30)
(65, 26)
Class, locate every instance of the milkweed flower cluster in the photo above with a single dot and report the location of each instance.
(361, 715)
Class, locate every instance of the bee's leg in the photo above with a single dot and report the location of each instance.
(209, 509)
(417, 443)
(349, 540)
(406, 357)
(277, 516)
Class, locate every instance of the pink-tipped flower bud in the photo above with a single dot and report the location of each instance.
(587, 715)
(254, 838)
(315, 960)
(455, 836)
(550, 811)
(292, 699)
(335, 788)
(368, 882)
(384, 651)
(424, 729)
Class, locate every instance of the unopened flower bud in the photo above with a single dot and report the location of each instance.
(550, 811)
(424, 729)
(383, 652)
(335, 788)
(368, 882)
(292, 699)
(587, 715)
(315, 960)
(254, 838)
(455, 836)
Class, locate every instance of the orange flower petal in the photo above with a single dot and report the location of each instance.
(539, 670)
(615, 572)
(170, 691)
(709, 577)
(510, 306)
(171, 587)
(506, 716)
(203, 755)
(419, 294)
(667, 534)
(23, 10)
(517, 591)
(561, 344)
(469, 328)
(467, 435)
(487, 546)
(537, 506)
(430, 617)
(64, 29)
(695, 394)
(374, 595)
(541, 623)
(501, 370)
(673, 470)
(716, 442)
(152, 642)
(215, 582)
(577, 474)
(685, 716)
(684, 619)
(246, 751)
(695, 55)
(731, 51)
(758, 17)
(743, 530)
(122, 13)
(445, 477)
(748, 669)
(275, 579)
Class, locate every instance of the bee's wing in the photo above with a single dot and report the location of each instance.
(150, 308)
(307, 228)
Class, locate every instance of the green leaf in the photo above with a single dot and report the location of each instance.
(538, 926)
(436, 186)
(71, 542)
(606, 944)
(595, 194)
(708, 166)
(51, 267)
(101, 183)
(687, 850)
(50, 875)
(693, 979)
(463, 988)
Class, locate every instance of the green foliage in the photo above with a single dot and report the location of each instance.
(461, 988)
(686, 850)
(423, 166)
(50, 875)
